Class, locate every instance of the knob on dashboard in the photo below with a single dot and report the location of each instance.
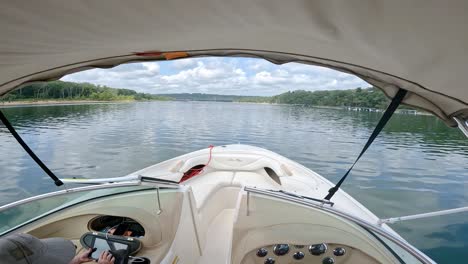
(339, 251)
(262, 252)
(317, 249)
(298, 255)
(328, 260)
(269, 261)
(281, 249)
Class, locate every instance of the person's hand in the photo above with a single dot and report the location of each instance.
(82, 257)
(106, 258)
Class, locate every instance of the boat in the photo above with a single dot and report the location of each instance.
(235, 204)
(247, 200)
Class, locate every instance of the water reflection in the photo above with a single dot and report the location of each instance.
(416, 165)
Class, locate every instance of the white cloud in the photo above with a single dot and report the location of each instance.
(153, 67)
(219, 75)
(268, 78)
(259, 65)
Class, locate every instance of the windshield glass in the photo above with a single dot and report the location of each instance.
(401, 250)
(17, 216)
(401, 254)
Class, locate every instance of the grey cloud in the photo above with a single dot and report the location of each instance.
(184, 64)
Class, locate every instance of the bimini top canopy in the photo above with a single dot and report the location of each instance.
(420, 46)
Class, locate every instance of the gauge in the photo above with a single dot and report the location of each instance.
(281, 249)
(317, 249)
(298, 255)
(328, 260)
(269, 261)
(262, 252)
(339, 251)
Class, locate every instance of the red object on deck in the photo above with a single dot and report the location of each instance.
(197, 169)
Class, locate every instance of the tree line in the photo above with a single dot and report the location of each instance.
(368, 97)
(60, 90)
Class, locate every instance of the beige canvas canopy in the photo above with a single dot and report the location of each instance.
(421, 46)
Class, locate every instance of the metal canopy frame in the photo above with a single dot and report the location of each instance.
(462, 125)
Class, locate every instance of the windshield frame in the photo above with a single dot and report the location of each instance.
(150, 184)
(369, 227)
(66, 191)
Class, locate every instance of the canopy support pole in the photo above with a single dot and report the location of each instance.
(28, 150)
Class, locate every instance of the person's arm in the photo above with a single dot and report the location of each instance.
(82, 257)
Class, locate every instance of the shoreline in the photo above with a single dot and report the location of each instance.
(353, 109)
(59, 102)
(81, 102)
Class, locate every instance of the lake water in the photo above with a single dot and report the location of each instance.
(416, 165)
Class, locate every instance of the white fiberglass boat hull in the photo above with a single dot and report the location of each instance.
(244, 165)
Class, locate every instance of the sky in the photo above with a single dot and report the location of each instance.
(215, 75)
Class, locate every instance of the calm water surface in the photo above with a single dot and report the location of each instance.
(416, 165)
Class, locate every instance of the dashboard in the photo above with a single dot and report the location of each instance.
(313, 253)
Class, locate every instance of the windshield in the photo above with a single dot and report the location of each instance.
(13, 217)
(401, 254)
(398, 247)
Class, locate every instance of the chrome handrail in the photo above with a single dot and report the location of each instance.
(66, 191)
(423, 215)
(366, 225)
(156, 183)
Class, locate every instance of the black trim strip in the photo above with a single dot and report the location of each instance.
(382, 122)
(150, 179)
(385, 245)
(25, 146)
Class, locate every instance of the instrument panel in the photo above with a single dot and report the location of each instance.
(314, 253)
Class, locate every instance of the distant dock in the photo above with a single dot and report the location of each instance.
(399, 111)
